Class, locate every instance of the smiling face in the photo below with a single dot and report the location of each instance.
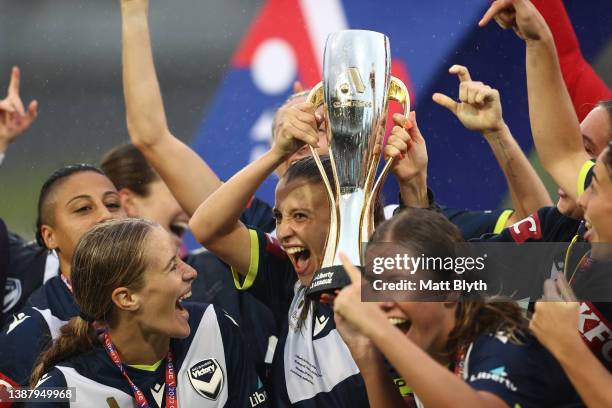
(302, 224)
(597, 203)
(427, 324)
(167, 282)
(73, 207)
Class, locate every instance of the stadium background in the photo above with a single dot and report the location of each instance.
(213, 60)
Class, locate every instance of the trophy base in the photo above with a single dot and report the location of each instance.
(327, 280)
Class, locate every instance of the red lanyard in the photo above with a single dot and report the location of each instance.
(460, 361)
(141, 401)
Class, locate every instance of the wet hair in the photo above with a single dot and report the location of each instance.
(431, 234)
(127, 168)
(45, 213)
(109, 256)
(306, 169)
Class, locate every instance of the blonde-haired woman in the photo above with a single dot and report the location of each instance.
(135, 341)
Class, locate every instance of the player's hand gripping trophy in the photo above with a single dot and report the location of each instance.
(355, 92)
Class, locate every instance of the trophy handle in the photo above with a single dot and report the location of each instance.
(317, 98)
(399, 93)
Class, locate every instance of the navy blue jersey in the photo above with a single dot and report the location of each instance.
(523, 375)
(29, 266)
(215, 284)
(4, 262)
(213, 368)
(27, 332)
(259, 214)
(471, 223)
(474, 223)
(312, 366)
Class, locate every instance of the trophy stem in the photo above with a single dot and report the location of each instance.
(351, 207)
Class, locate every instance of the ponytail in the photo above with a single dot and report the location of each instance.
(76, 336)
(486, 316)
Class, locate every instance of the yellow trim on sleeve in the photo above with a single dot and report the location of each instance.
(152, 367)
(582, 175)
(253, 265)
(502, 220)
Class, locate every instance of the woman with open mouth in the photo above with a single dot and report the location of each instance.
(462, 350)
(312, 365)
(135, 341)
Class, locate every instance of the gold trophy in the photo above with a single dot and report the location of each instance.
(355, 91)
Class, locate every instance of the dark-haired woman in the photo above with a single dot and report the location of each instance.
(71, 202)
(135, 342)
(312, 366)
(461, 351)
(15, 282)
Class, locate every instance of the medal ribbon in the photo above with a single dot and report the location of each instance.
(141, 401)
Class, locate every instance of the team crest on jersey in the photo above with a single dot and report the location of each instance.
(207, 378)
(12, 294)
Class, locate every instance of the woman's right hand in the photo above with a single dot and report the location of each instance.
(521, 16)
(295, 126)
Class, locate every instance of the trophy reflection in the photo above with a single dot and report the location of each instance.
(355, 91)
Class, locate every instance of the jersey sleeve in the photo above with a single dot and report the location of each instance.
(52, 379)
(585, 87)
(519, 374)
(474, 224)
(545, 225)
(23, 337)
(270, 277)
(26, 269)
(245, 389)
(4, 263)
(258, 214)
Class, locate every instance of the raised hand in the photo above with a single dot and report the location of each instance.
(407, 146)
(363, 317)
(555, 321)
(14, 119)
(479, 106)
(520, 15)
(295, 126)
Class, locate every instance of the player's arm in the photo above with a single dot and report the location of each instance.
(381, 390)
(189, 178)
(554, 125)
(479, 109)
(555, 323)
(585, 87)
(407, 147)
(216, 223)
(421, 372)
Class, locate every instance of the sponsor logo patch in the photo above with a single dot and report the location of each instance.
(12, 294)
(497, 375)
(207, 378)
